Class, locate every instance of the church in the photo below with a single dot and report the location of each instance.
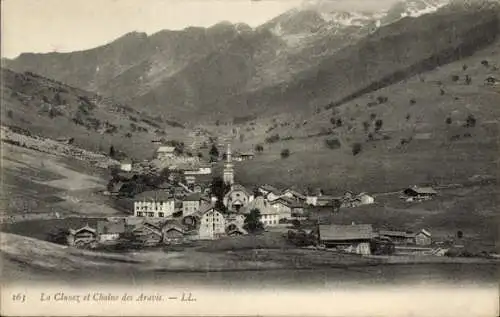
(238, 196)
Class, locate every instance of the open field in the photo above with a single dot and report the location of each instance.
(28, 258)
(35, 183)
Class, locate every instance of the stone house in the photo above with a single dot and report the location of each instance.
(348, 238)
(154, 204)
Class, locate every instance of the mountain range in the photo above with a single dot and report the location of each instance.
(297, 60)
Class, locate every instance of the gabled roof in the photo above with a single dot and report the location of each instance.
(422, 190)
(270, 189)
(262, 205)
(105, 227)
(287, 201)
(294, 193)
(84, 228)
(345, 232)
(193, 197)
(238, 187)
(166, 149)
(154, 195)
(425, 232)
(399, 234)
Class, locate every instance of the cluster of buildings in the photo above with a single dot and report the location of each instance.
(190, 213)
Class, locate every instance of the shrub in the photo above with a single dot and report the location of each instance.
(373, 116)
(412, 101)
(464, 67)
(455, 78)
(128, 135)
(259, 148)
(408, 117)
(470, 122)
(366, 126)
(332, 143)
(448, 120)
(10, 114)
(468, 79)
(378, 124)
(382, 99)
(273, 138)
(356, 149)
(441, 91)
(339, 122)
(285, 153)
(485, 63)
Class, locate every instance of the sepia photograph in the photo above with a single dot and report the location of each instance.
(250, 158)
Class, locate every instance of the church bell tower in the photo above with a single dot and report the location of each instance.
(228, 174)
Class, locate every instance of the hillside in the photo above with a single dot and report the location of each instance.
(424, 134)
(49, 108)
(297, 60)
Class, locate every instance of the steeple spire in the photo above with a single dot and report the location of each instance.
(228, 174)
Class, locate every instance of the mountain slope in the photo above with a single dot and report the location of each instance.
(391, 54)
(49, 108)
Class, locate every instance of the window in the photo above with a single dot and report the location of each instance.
(151, 214)
(161, 214)
(140, 214)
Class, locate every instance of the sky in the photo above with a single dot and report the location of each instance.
(70, 25)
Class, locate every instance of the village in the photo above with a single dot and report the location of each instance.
(184, 201)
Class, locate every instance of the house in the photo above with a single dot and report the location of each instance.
(287, 207)
(291, 193)
(212, 223)
(237, 198)
(244, 156)
(148, 234)
(348, 238)
(423, 237)
(190, 179)
(269, 192)
(154, 204)
(416, 193)
(326, 200)
(237, 219)
(270, 216)
(173, 234)
(398, 237)
(126, 165)
(110, 231)
(490, 81)
(351, 200)
(165, 152)
(191, 203)
(85, 236)
(235, 231)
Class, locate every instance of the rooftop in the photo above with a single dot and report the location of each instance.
(104, 227)
(272, 189)
(422, 190)
(153, 195)
(345, 232)
(166, 149)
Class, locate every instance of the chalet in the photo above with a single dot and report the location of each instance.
(326, 200)
(291, 193)
(237, 198)
(287, 207)
(154, 204)
(490, 81)
(269, 192)
(348, 238)
(126, 165)
(212, 223)
(416, 193)
(244, 156)
(398, 237)
(148, 234)
(173, 234)
(236, 219)
(352, 200)
(85, 236)
(165, 152)
(270, 216)
(423, 237)
(191, 203)
(109, 231)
